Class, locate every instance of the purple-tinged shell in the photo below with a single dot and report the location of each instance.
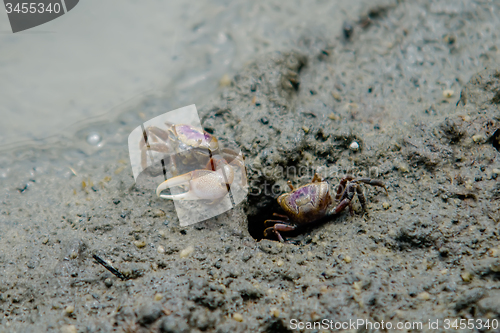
(191, 136)
(301, 197)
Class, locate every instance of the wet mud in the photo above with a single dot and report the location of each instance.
(414, 84)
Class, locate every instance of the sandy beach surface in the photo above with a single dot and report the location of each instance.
(405, 92)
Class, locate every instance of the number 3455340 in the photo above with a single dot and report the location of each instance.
(32, 8)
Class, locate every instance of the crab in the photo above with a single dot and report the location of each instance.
(311, 202)
(189, 148)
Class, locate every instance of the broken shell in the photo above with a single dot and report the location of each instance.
(354, 146)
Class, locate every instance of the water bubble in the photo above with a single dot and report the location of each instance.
(93, 139)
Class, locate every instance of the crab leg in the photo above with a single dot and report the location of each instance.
(284, 217)
(349, 178)
(236, 159)
(160, 133)
(372, 182)
(277, 228)
(272, 222)
(346, 199)
(150, 142)
(342, 186)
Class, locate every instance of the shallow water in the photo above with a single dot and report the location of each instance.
(101, 57)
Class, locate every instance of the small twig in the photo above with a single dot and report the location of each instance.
(109, 267)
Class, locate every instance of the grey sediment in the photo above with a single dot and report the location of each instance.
(415, 84)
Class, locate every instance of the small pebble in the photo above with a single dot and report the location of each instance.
(400, 314)
(315, 238)
(330, 273)
(225, 81)
(469, 185)
(119, 170)
(93, 139)
(187, 252)
(448, 93)
(354, 146)
(223, 288)
(280, 263)
(157, 213)
(238, 317)
(305, 129)
(494, 252)
(45, 240)
(315, 316)
(69, 310)
(495, 267)
(336, 96)
(69, 329)
(140, 244)
(357, 285)
(348, 29)
(161, 249)
(149, 313)
(108, 283)
(386, 205)
(351, 107)
(333, 116)
(275, 312)
(449, 39)
(424, 296)
(478, 138)
(158, 297)
(466, 276)
(403, 168)
(73, 255)
(347, 259)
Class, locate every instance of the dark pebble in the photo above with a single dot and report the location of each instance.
(108, 282)
(148, 314)
(347, 29)
(174, 324)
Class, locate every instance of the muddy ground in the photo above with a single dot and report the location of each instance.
(406, 81)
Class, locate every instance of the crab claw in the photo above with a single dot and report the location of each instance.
(203, 184)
